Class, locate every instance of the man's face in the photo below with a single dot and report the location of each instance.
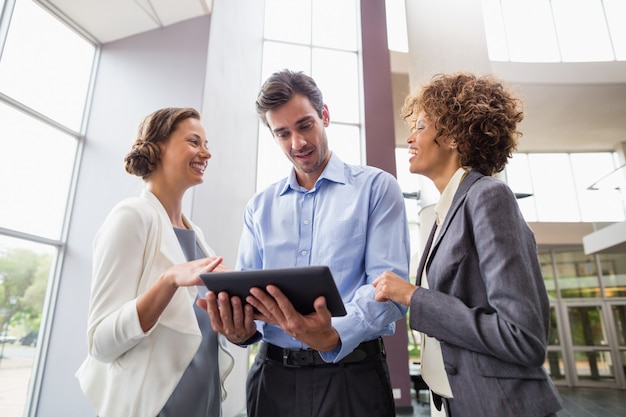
(301, 134)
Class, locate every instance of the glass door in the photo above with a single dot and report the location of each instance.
(595, 359)
(618, 317)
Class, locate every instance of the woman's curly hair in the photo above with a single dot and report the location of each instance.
(156, 128)
(479, 113)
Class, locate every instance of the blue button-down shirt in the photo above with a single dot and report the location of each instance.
(354, 221)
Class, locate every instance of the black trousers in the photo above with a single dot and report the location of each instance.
(335, 390)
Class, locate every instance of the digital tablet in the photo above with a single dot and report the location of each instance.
(301, 285)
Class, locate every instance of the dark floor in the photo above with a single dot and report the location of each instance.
(577, 402)
(596, 402)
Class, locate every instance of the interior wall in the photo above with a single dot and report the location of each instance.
(233, 79)
(136, 75)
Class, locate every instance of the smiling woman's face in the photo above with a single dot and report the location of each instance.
(437, 158)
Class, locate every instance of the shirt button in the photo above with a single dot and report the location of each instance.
(309, 195)
(303, 253)
(306, 222)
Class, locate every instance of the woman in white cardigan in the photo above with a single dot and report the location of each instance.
(152, 351)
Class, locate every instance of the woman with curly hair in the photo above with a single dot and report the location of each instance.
(151, 348)
(480, 300)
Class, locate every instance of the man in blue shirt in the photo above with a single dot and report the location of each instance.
(350, 218)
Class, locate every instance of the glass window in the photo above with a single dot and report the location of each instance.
(587, 326)
(337, 75)
(278, 56)
(45, 65)
(345, 141)
(591, 44)
(272, 164)
(335, 23)
(36, 165)
(288, 20)
(615, 12)
(560, 187)
(25, 269)
(397, 38)
(545, 261)
(619, 318)
(294, 32)
(556, 33)
(495, 31)
(554, 191)
(554, 359)
(536, 45)
(577, 275)
(613, 274)
(594, 365)
(553, 335)
(598, 204)
(45, 71)
(554, 365)
(518, 177)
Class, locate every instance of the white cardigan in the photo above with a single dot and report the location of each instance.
(123, 374)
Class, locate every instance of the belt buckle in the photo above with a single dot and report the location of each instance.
(298, 358)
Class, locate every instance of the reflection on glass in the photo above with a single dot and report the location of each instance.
(619, 318)
(545, 262)
(335, 23)
(34, 186)
(554, 365)
(45, 65)
(336, 74)
(587, 326)
(613, 274)
(577, 274)
(281, 22)
(24, 272)
(594, 365)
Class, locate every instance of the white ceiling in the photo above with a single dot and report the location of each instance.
(110, 20)
(580, 109)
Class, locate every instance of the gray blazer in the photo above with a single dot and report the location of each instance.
(487, 305)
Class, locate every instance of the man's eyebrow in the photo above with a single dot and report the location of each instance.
(304, 119)
(300, 121)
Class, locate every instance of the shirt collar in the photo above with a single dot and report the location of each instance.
(332, 172)
(445, 201)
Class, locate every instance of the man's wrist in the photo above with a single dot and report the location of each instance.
(256, 336)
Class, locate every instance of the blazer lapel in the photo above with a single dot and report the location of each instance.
(169, 247)
(459, 196)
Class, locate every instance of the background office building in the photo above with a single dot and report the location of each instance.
(77, 76)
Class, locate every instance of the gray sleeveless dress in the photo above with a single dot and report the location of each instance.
(198, 392)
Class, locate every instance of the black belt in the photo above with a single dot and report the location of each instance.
(309, 357)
